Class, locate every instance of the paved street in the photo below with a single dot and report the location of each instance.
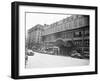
(45, 61)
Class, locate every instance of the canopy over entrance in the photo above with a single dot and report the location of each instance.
(59, 43)
(69, 44)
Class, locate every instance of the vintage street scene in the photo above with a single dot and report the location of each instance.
(54, 41)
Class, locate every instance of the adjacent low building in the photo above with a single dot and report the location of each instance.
(35, 35)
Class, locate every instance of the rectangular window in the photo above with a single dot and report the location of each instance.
(86, 33)
(86, 42)
(78, 34)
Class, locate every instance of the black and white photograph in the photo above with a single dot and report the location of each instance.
(56, 40)
(50, 40)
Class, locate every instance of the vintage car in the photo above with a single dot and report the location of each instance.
(75, 54)
(52, 50)
(29, 52)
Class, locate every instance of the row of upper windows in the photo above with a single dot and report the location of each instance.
(65, 26)
(68, 34)
(72, 34)
(84, 42)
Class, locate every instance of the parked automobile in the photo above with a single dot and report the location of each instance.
(49, 50)
(29, 52)
(52, 50)
(76, 55)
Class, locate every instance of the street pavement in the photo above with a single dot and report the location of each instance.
(48, 61)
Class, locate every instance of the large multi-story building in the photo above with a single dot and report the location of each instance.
(74, 29)
(35, 35)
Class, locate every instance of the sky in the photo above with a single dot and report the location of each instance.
(33, 19)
